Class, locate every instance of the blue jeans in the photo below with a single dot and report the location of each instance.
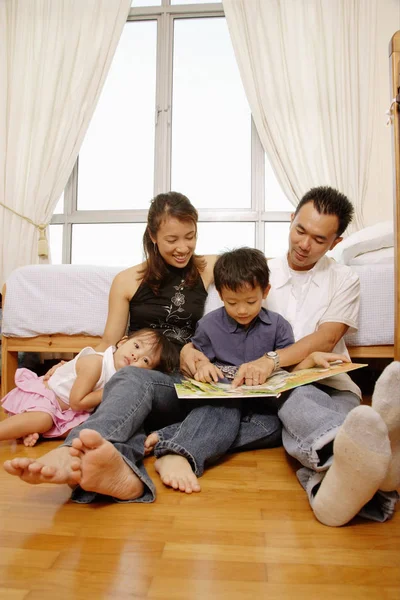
(128, 399)
(311, 416)
(211, 430)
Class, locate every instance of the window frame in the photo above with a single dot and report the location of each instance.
(165, 15)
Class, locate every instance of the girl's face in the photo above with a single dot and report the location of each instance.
(138, 351)
(176, 241)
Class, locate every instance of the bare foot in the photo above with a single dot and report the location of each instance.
(31, 439)
(176, 472)
(57, 466)
(103, 469)
(150, 442)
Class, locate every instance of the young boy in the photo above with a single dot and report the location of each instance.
(241, 331)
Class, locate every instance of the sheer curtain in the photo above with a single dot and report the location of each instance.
(309, 71)
(54, 58)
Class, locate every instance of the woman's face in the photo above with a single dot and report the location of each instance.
(176, 241)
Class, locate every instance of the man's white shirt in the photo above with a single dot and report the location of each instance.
(327, 293)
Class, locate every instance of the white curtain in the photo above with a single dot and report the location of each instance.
(54, 58)
(309, 71)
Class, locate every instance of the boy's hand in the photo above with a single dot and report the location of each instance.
(321, 359)
(189, 358)
(208, 373)
(254, 373)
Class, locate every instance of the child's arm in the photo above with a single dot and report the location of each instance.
(88, 371)
(320, 359)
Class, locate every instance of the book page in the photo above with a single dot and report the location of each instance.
(279, 382)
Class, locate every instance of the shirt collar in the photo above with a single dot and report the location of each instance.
(317, 273)
(234, 325)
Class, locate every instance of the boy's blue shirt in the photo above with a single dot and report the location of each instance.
(225, 341)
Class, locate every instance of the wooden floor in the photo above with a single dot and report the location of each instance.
(249, 534)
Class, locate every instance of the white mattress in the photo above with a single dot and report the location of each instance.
(68, 299)
(73, 299)
(376, 320)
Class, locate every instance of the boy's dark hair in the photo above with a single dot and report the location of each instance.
(239, 267)
(169, 353)
(328, 201)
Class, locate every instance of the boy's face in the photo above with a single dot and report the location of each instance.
(244, 304)
(136, 352)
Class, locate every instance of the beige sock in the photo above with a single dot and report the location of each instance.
(386, 402)
(361, 455)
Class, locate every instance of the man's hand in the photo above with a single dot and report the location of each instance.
(189, 357)
(255, 372)
(207, 372)
(321, 359)
(51, 371)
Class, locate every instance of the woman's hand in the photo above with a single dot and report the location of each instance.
(51, 371)
(207, 372)
(189, 357)
(321, 359)
(254, 373)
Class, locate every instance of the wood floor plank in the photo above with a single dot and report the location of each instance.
(249, 534)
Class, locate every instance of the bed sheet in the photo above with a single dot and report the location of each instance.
(376, 320)
(66, 299)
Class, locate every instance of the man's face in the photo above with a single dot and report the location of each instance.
(311, 235)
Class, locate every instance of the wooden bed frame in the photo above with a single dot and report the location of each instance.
(74, 343)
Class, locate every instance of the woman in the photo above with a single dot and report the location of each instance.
(167, 292)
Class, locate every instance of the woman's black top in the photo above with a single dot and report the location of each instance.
(174, 311)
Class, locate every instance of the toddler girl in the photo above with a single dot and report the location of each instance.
(54, 407)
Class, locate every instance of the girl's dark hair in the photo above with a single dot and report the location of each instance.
(239, 267)
(163, 206)
(169, 353)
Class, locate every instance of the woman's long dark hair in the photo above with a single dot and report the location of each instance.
(164, 206)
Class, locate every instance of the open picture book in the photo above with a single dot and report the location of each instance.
(279, 382)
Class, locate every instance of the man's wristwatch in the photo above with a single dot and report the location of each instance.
(275, 357)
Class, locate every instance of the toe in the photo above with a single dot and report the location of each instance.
(77, 444)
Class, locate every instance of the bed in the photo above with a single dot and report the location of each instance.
(67, 310)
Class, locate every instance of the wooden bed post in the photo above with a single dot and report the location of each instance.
(9, 364)
(394, 57)
(9, 360)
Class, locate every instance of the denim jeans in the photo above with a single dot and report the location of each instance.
(128, 399)
(311, 416)
(210, 431)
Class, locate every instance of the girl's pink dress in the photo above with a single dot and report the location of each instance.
(31, 395)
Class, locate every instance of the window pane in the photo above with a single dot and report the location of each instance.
(55, 233)
(59, 209)
(276, 239)
(211, 121)
(116, 161)
(110, 244)
(275, 199)
(146, 3)
(173, 2)
(214, 238)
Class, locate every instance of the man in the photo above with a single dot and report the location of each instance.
(320, 299)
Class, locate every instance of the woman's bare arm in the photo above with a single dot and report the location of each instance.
(123, 288)
(208, 274)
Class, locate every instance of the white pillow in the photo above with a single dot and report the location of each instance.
(368, 239)
(376, 257)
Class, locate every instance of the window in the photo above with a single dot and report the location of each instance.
(172, 115)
